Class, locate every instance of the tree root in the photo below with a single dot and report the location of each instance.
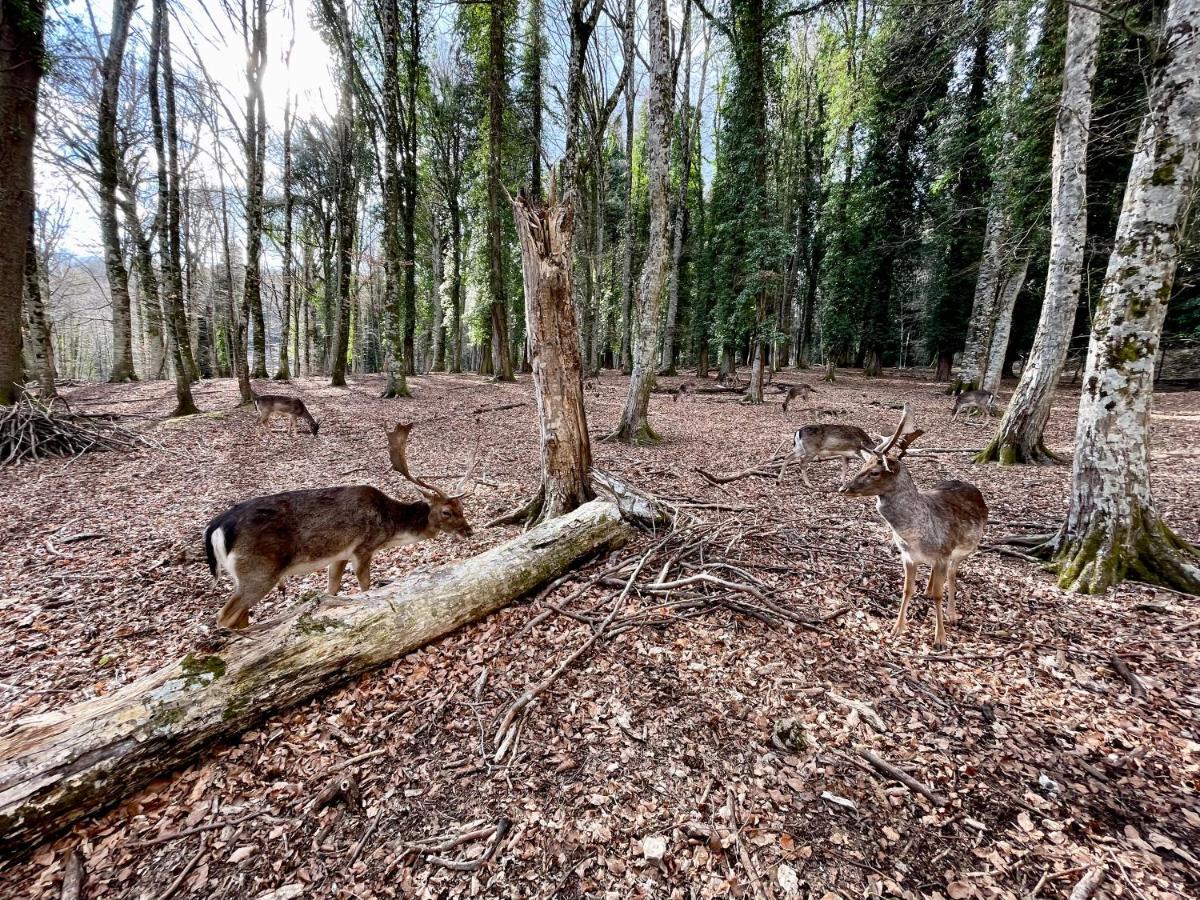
(1006, 452)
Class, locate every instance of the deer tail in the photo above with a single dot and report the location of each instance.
(216, 549)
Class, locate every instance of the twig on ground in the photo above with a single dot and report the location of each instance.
(1135, 684)
(187, 870)
(886, 768)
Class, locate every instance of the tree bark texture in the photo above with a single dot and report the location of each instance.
(545, 230)
(634, 426)
(1113, 529)
(57, 767)
(108, 156)
(42, 347)
(1019, 437)
(502, 366)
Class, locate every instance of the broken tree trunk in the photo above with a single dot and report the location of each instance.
(58, 767)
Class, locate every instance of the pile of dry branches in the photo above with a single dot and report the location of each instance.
(31, 430)
(692, 569)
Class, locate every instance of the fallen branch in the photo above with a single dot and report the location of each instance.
(470, 865)
(1135, 684)
(886, 768)
(59, 766)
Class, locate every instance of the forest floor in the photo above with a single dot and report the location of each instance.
(649, 768)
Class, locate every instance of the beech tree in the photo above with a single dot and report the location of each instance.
(1113, 529)
(634, 427)
(21, 29)
(1019, 437)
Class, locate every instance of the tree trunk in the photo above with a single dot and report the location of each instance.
(1113, 529)
(629, 229)
(502, 366)
(284, 373)
(634, 427)
(57, 767)
(456, 301)
(108, 157)
(347, 219)
(1019, 437)
(545, 231)
(21, 62)
(168, 212)
(413, 65)
(39, 329)
(983, 311)
(438, 253)
(255, 138)
(681, 202)
(1006, 301)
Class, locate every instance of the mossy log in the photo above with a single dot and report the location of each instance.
(58, 767)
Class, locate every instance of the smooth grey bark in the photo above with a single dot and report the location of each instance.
(108, 156)
(502, 366)
(1006, 301)
(1019, 436)
(634, 426)
(1113, 529)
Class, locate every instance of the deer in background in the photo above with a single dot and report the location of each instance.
(844, 442)
(803, 392)
(293, 407)
(976, 401)
(938, 528)
(260, 542)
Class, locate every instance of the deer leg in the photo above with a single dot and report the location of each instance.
(951, 590)
(336, 568)
(783, 468)
(910, 585)
(804, 460)
(934, 590)
(362, 571)
(236, 611)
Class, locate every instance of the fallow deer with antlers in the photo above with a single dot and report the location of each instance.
(938, 528)
(260, 542)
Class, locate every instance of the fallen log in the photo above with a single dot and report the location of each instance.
(58, 767)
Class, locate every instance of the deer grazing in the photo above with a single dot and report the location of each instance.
(293, 407)
(844, 442)
(938, 528)
(260, 542)
(976, 401)
(803, 392)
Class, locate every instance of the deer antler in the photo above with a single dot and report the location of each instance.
(905, 425)
(397, 444)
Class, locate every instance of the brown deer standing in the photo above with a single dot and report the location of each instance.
(844, 442)
(293, 407)
(976, 401)
(262, 541)
(938, 528)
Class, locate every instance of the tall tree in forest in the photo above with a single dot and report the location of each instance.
(546, 230)
(1113, 529)
(1019, 437)
(532, 89)
(283, 373)
(409, 140)
(168, 207)
(254, 141)
(497, 96)
(452, 136)
(346, 218)
(634, 426)
(629, 231)
(22, 24)
(108, 156)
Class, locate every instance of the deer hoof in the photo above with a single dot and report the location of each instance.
(939, 646)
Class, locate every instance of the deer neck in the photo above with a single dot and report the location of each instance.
(410, 520)
(901, 504)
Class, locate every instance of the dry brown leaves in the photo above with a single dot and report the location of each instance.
(653, 766)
